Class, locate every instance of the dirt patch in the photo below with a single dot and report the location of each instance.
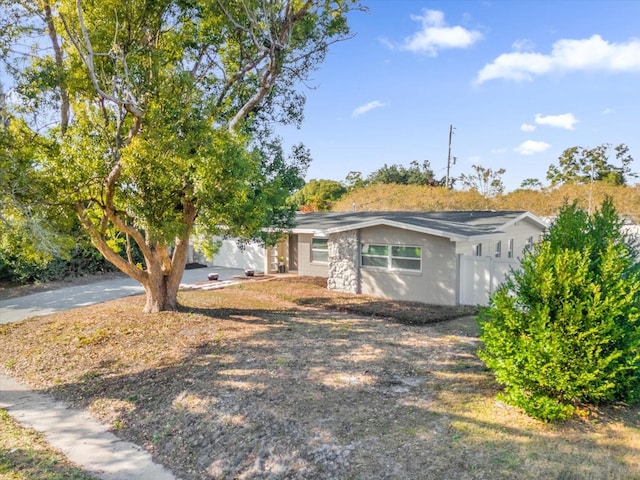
(312, 292)
(282, 380)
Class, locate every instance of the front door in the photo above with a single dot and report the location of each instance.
(293, 253)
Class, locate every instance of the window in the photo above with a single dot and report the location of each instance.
(510, 251)
(406, 258)
(529, 245)
(375, 256)
(498, 248)
(396, 257)
(320, 250)
(479, 250)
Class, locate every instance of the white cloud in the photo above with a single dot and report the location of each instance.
(589, 54)
(608, 111)
(526, 127)
(530, 147)
(566, 120)
(523, 45)
(436, 35)
(499, 151)
(362, 109)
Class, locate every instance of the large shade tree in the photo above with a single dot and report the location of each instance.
(163, 116)
(604, 163)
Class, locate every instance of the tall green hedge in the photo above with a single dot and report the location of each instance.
(564, 331)
(83, 260)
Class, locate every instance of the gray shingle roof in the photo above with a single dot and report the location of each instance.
(459, 224)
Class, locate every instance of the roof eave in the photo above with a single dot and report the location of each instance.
(430, 231)
(526, 215)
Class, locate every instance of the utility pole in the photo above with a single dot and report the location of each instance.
(448, 181)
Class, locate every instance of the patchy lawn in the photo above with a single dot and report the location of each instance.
(282, 379)
(24, 455)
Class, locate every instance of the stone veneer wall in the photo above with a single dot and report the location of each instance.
(343, 262)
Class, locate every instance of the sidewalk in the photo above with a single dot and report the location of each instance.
(85, 441)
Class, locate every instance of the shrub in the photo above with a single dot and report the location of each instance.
(564, 330)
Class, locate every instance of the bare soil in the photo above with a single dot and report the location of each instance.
(282, 379)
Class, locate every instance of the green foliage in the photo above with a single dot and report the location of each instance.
(79, 258)
(416, 174)
(587, 165)
(318, 195)
(166, 112)
(82, 260)
(31, 231)
(486, 181)
(565, 329)
(531, 184)
(354, 181)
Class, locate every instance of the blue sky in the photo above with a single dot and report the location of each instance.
(520, 81)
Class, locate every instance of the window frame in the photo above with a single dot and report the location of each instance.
(324, 252)
(376, 256)
(392, 257)
(529, 245)
(498, 252)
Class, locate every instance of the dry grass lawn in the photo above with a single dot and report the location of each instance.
(282, 379)
(24, 455)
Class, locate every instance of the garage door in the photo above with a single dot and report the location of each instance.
(251, 256)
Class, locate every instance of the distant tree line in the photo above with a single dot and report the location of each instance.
(604, 164)
(415, 174)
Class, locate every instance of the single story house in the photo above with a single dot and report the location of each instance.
(438, 257)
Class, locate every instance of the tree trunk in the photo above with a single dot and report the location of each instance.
(161, 297)
(163, 278)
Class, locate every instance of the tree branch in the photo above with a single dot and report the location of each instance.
(59, 59)
(87, 56)
(101, 244)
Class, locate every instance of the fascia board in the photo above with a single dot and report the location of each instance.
(529, 216)
(312, 231)
(429, 231)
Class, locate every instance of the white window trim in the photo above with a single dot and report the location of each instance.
(390, 258)
(323, 262)
(529, 244)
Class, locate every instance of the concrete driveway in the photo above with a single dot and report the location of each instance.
(44, 303)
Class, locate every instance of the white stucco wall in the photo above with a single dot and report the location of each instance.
(436, 283)
(305, 265)
(519, 232)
